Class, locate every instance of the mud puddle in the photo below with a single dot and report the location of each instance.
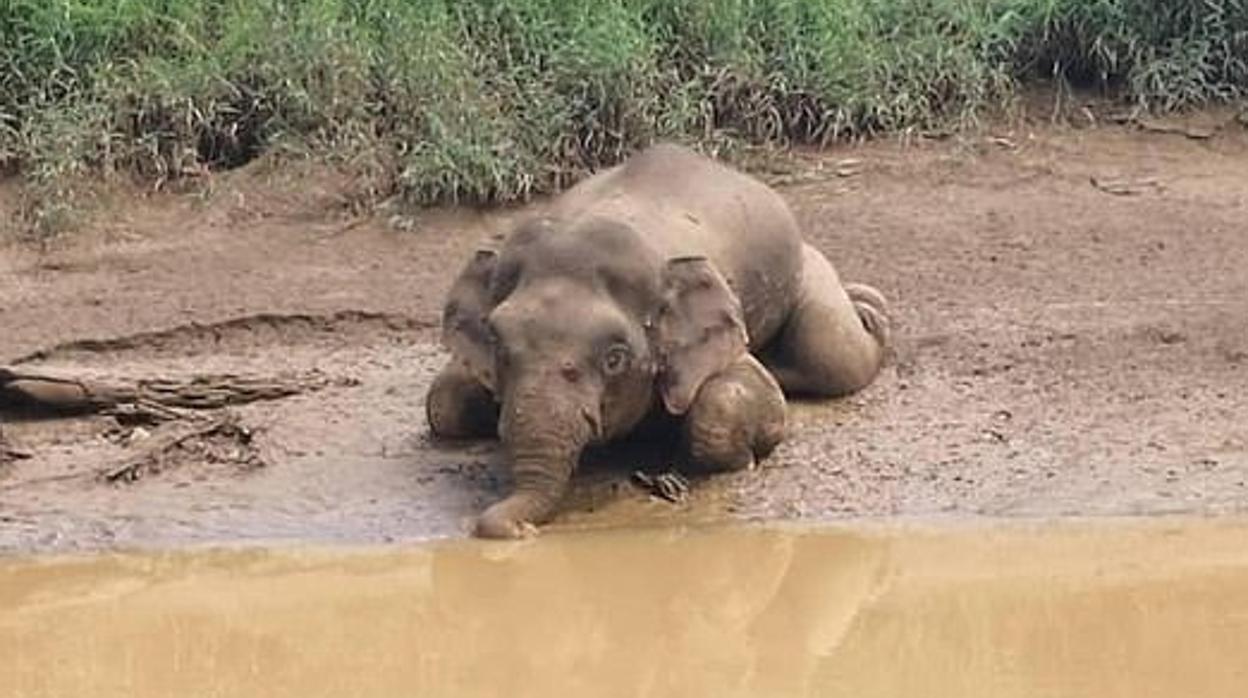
(1105, 609)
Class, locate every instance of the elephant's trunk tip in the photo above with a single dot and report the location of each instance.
(493, 525)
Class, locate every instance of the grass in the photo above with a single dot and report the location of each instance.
(496, 100)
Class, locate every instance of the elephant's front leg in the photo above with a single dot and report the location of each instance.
(459, 407)
(737, 417)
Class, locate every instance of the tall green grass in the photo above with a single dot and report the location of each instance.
(493, 100)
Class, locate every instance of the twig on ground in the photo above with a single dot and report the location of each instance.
(10, 453)
(1126, 186)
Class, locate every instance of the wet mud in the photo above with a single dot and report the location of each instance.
(1080, 609)
(1061, 350)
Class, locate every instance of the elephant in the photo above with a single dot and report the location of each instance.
(669, 284)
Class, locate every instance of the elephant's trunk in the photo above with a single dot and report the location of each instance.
(543, 442)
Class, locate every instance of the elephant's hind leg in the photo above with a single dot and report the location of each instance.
(459, 407)
(737, 417)
(834, 342)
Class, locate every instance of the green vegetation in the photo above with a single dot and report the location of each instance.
(491, 100)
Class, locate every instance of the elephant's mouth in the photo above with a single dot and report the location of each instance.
(594, 422)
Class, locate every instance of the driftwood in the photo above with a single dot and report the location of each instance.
(202, 430)
(154, 399)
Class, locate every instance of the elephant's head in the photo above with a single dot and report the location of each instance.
(579, 331)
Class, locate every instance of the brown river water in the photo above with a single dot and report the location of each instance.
(1073, 609)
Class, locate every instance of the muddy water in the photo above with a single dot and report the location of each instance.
(1106, 610)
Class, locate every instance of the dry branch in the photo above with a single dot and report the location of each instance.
(221, 440)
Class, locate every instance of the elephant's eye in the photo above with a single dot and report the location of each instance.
(616, 360)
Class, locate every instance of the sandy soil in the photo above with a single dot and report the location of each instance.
(1062, 350)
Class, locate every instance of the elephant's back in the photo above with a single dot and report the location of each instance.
(682, 203)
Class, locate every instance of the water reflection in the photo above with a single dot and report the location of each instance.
(1138, 610)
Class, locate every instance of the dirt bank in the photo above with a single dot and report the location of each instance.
(1072, 310)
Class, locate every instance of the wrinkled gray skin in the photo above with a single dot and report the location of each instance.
(670, 282)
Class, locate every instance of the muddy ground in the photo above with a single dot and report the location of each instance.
(1071, 310)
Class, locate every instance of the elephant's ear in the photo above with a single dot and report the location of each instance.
(699, 331)
(465, 332)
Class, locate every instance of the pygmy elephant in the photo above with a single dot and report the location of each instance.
(669, 282)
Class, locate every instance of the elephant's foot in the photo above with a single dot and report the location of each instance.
(459, 407)
(737, 417)
(872, 308)
(834, 342)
